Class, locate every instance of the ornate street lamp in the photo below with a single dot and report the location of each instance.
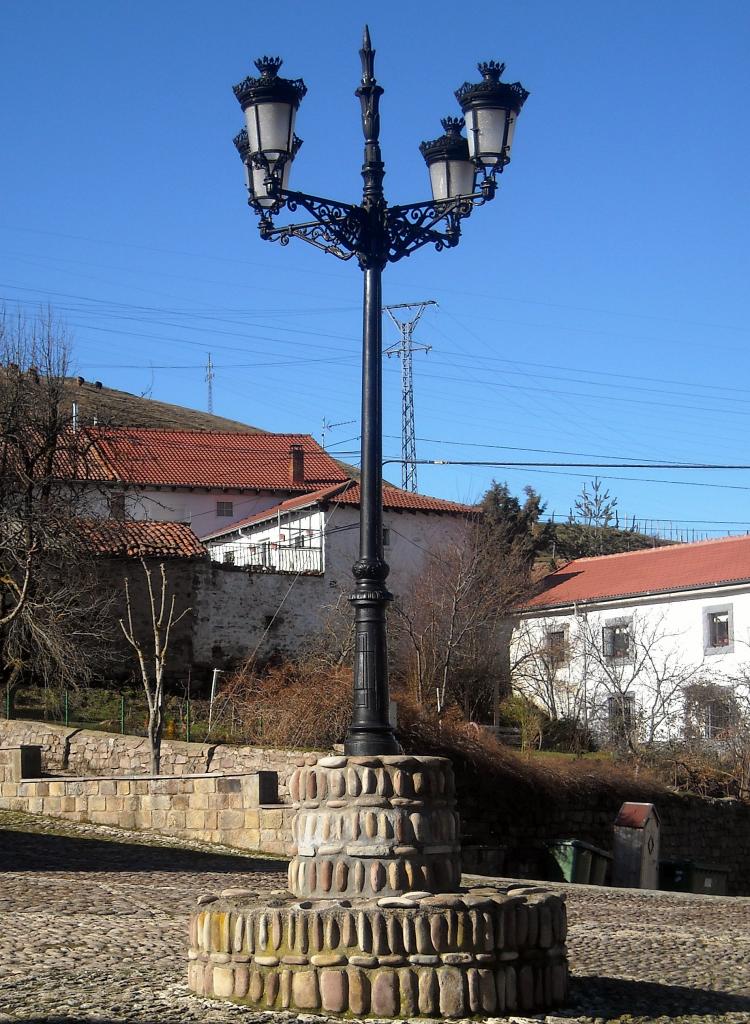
(377, 234)
(490, 108)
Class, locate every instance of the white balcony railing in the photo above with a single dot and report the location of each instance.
(268, 557)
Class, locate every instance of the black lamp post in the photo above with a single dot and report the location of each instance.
(376, 234)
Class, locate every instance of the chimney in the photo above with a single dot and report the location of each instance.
(296, 464)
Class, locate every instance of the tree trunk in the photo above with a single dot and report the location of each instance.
(11, 684)
(155, 728)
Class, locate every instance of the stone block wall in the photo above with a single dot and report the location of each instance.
(710, 832)
(209, 808)
(85, 752)
(232, 607)
(713, 832)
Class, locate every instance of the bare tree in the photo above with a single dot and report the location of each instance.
(627, 675)
(547, 668)
(152, 651)
(451, 623)
(50, 606)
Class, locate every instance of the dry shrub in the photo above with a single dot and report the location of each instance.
(291, 704)
(489, 772)
(717, 771)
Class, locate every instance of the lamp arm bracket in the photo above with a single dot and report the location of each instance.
(415, 225)
(336, 228)
(322, 236)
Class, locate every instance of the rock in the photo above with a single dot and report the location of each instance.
(223, 982)
(439, 932)
(487, 991)
(334, 989)
(473, 990)
(428, 991)
(397, 901)
(526, 988)
(305, 994)
(363, 961)
(255, 990)
(206, 898)
(422, 932)
(385, 989)
(452, 995)
(332, 762)
(408, 993)
(272, 988)
(327, 960)
(359, 991)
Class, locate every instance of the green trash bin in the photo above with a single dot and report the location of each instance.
(572, 860)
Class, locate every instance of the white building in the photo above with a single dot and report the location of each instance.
(318, 533)
(202, 478)
(644, 645)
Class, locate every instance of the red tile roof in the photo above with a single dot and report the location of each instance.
(654, 571)
(394, 499)
(191, 458)
(140, 538)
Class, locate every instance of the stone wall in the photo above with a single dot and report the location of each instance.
(85, 752)
(111, 574)
(232, 609)
(498, 836)
(715, 833)
(222, 809)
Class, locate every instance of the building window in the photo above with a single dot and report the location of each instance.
(117, 505)
(616, 640)
(229, 558)
(556, 644)
(718, 630)
(386, 537)
(225, 509)
(621, 716)
(710, 711)
(299, 540)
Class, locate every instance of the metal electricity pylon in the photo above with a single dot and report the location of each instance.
(210, 382)
(404, 349)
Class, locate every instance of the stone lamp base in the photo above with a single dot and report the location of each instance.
(374, 922)
(480, 951)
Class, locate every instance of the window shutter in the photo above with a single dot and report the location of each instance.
(608, 645)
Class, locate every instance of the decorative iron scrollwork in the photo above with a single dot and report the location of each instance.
(343, 230)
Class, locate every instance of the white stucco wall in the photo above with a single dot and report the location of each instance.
(336, 531)
(670, 650)
(196, 507)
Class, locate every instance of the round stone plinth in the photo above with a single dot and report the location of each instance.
(374, 827)
(482, 951)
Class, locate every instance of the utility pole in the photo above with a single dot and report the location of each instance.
(404, 348)
(210, 382)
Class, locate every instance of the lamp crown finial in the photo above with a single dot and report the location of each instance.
(452, 125)
(366, 44)
(268, 66)
(491, 70)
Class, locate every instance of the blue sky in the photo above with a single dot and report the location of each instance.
(597, 307)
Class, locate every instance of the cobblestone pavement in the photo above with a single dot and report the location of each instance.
(93, 928)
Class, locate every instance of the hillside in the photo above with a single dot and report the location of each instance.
(100, 404)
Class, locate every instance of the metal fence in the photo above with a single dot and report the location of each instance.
(186, 718)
